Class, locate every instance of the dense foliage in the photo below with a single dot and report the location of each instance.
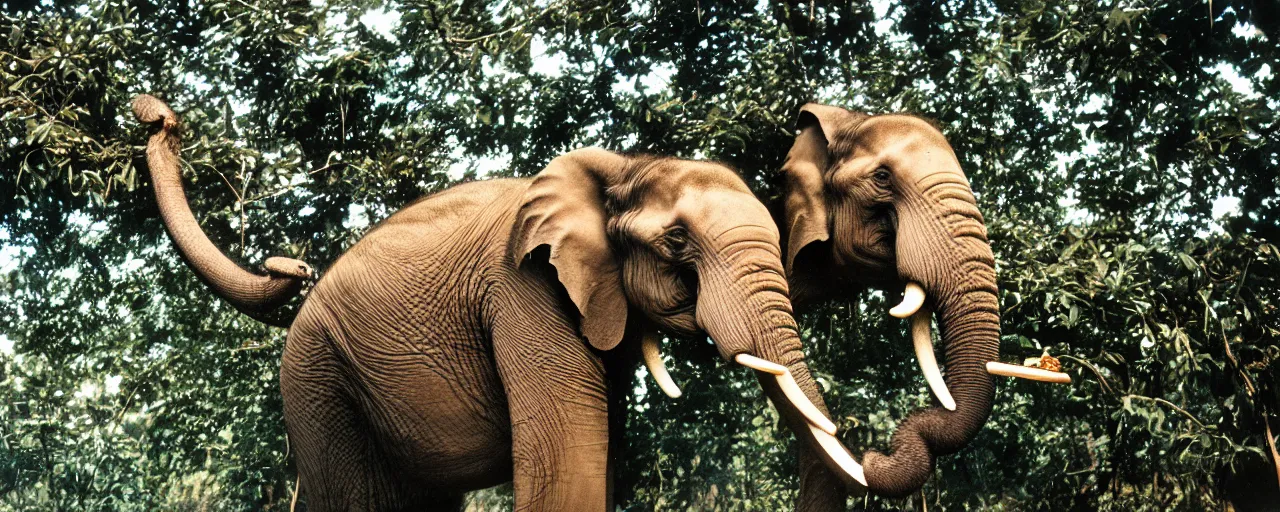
(1125, 154)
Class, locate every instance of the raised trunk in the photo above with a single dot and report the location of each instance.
(252, 294)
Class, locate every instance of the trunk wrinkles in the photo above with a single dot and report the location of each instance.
(755, 289)
(252, 294)
(970, 332)
(969, 323)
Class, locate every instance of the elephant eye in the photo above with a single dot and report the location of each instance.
(881, 176)
(676, 240)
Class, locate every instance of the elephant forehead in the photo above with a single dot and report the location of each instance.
(906, 142)
(718, 211)
(673, 178)
(898, 125)
(898, 130)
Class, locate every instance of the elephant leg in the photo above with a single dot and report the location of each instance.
(620, 368)
(339, 465)
(556, 393)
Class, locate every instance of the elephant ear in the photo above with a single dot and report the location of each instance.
(564, 208)
(806, 164)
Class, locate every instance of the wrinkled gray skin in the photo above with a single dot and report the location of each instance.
(442, 353)
(881, 201)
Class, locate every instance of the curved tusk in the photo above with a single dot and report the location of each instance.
(912, 299)
(802, 403)
(1022, 372)
(756, 363)
(922, 338)
(839, 454)
(653, 361)
(791, 390)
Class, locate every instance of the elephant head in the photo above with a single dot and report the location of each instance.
(881, 201)
(686, 246)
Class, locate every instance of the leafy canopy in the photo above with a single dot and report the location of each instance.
(1124, 153)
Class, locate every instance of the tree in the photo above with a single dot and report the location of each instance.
(1125, 156)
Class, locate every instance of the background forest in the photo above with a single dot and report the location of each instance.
(1125, 155)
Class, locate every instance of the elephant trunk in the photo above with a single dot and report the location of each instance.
(947, 253)
(254, 295)
(970, 332)
(746, 311)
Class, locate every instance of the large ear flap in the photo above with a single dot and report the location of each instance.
(806, 205)
(564, 208)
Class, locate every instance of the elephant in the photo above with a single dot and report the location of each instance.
(881, 201)
(463, 341)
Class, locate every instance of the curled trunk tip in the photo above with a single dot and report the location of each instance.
(971, 331)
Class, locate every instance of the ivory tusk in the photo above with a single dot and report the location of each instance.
(790, 389)
(839, 454)
(922, 338)
(802, 403)
(653, 361)
(912, 299)
(756, 363)
(1023, 372)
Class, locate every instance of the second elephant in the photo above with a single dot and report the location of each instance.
(881, 201)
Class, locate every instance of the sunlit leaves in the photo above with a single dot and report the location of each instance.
(1104, 142)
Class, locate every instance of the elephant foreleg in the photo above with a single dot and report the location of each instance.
(556, 392)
